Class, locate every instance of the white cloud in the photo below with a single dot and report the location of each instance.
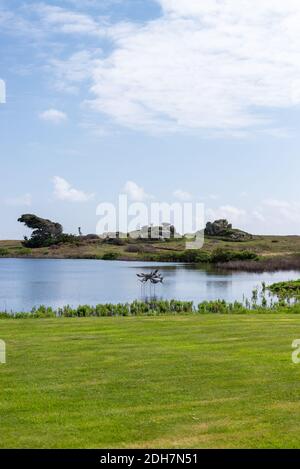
(54, 116)
(203, 65)
(283, 211)
(64, 191)
(135, 192)
(84, 3)
(270, 216)
(258, 215)
(71, 72)
(220, 67)
(233, 214)
(183, 196)
(12, 23)
(276, 203)
(68, 22)
(19, 201)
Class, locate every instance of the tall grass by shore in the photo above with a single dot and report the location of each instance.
(269, 264)
(258, 304)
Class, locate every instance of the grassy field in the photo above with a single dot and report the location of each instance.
(261, 245)
(197, 381)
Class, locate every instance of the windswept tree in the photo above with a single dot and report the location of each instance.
(45, 232)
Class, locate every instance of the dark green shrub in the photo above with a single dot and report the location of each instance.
(195, 256)
(41, 242)
(189, 256)
(110, 256)
(115, 241)
(221, 256)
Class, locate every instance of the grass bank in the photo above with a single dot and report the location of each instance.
(190, 381)
(258, 305)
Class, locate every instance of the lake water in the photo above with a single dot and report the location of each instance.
(25, 283)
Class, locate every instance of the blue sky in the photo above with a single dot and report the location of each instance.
(167, 100)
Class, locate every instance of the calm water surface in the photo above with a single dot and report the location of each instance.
(25, 283)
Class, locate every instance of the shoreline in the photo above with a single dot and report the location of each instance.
(260, 254)
(267, 264)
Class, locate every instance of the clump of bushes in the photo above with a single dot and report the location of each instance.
(289, 289)
(43, 312)
(222, 256)
(115, 241)
(221, 307)
(110, 256)
(196, 256)
(48, 242)
(90, 237)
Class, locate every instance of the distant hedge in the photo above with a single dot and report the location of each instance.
(198, 256)
(222, 255)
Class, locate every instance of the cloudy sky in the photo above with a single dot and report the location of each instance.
(162, 99)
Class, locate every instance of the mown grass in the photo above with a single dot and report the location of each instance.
(197, 381)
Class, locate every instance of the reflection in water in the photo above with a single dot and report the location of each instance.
(218, 284)
(25, 283)
(151, 292)
(33, 287)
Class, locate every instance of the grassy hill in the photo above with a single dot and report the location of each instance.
(191, 381)
(267, 247)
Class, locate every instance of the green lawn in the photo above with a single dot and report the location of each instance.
(186, 381)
